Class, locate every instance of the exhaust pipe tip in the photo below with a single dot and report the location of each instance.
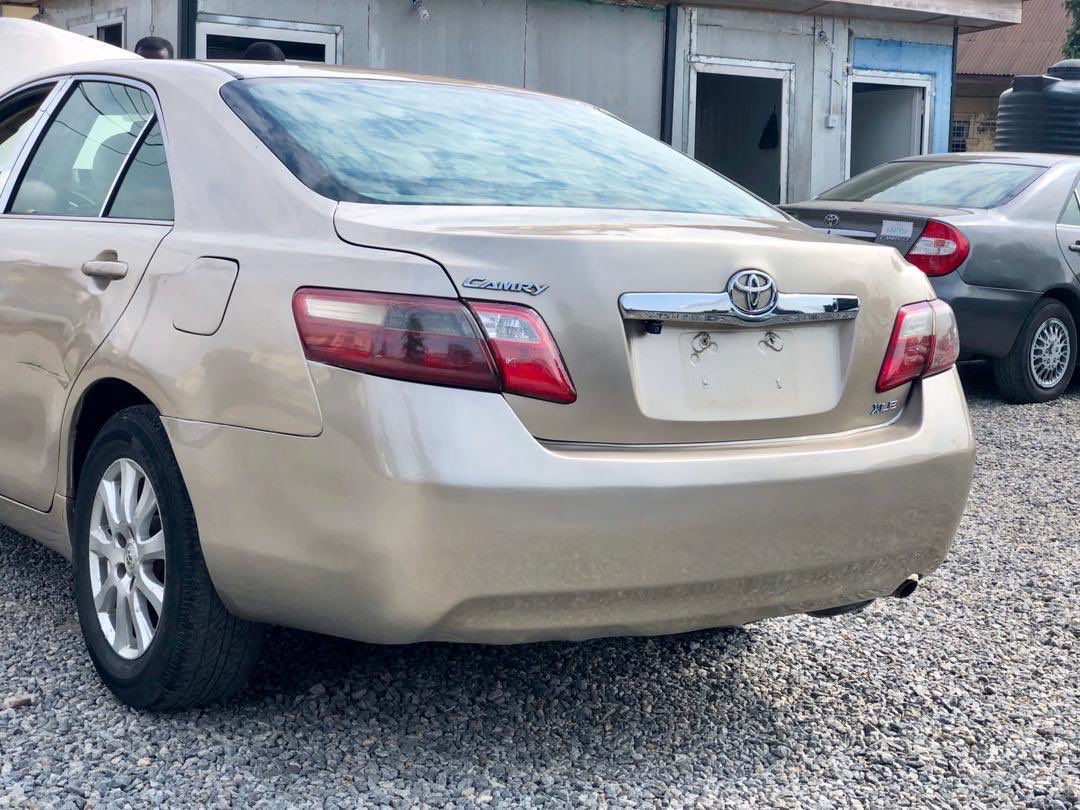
(907, 587)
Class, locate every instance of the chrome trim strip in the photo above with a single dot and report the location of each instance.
(848, 232)
(125, 165)
(718, 308)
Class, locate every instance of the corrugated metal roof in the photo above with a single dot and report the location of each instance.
(1030, 47)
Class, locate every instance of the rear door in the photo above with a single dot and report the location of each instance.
(1068, 230)
(84, 209)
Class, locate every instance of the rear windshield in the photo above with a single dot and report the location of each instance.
(409, 142)
(960, 184)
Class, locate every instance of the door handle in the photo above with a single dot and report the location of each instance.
(105, 269)
(1075, 247)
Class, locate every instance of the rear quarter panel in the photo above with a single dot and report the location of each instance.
(1015, 247)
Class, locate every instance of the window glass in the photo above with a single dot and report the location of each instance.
(144, 191)
(82, 151)
(16, 119)
(962, 184)
(1072, 209)
(412, 142)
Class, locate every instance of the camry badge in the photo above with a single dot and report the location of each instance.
(477, 283)
(831, 220)
(752, 293)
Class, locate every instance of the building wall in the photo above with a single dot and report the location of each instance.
(979, 114)
(822, 50)
(12, 10)
(975, 111)
(141, 17)
(914, 57)
(607, 53)
(604, 53)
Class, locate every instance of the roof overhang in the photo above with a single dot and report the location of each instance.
(967, 15)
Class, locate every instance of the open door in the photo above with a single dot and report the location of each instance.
(740, 124)
(886, 121)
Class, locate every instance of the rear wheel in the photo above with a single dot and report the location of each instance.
(155, 628)
(1041, 362)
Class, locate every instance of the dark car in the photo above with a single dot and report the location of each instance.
(998, 234)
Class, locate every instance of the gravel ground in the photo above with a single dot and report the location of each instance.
(966, 695)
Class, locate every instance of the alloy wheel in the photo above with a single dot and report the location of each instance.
(127, 558)
(1050, 353)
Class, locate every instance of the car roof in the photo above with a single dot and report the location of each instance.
(155, 71)
(1045, 161)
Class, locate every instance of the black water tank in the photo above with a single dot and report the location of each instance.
(1042, 113)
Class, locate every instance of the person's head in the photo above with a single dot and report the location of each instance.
(264, 52)
(154, 48)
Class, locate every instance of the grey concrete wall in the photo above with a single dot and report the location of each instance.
(610, 55)
(820, 48)
(352, 15)
(141, 17)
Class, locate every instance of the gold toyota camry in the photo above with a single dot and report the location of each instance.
(399, 358)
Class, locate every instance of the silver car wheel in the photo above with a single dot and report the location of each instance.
(127, 558)
(1050, 353)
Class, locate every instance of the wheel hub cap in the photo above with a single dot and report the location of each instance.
(1050, 353)
(127, 558)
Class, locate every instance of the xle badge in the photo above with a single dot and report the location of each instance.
(882, 407)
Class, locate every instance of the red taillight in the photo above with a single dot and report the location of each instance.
(432, 340)
(924, 341)
(939, 250)
(525, 351)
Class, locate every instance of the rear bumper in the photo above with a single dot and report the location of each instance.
(989, 318)
(428, 513)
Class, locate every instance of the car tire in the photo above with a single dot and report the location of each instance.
(153, 623)
(1041, 362)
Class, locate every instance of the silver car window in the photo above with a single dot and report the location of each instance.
(410, 142)
(1071, 214)
(77, 159)
(964, 184)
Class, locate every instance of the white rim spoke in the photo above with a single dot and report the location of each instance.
(124, 632)
(144, 511)
(152, 549)
(103, 546)
(110, 501)
(127, 562)
(152, 591)
(101, 598)
(129, 488)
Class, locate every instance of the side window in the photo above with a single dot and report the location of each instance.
(144, 191)
(82, 151)
(1072, 209)
(16, 119)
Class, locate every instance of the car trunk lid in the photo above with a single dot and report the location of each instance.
(897, 226)
(700, 378)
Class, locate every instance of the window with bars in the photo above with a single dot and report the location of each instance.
(958, 134)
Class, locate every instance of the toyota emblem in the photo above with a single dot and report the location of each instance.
(752, 292)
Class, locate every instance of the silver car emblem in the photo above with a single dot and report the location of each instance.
(752, 292)
(831, 220)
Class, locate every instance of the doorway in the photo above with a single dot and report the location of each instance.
(740, 126)
(887, 120)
